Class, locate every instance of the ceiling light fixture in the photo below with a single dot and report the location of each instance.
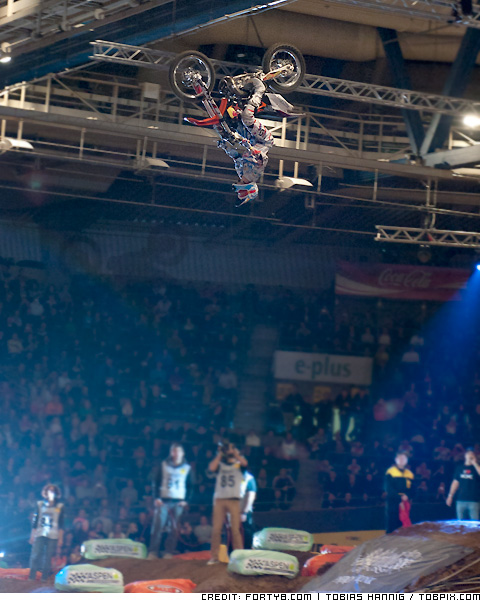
(471, 120)
(5, 57)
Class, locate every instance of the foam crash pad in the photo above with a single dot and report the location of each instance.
(263, 562)
(315, 563)
(161, 586)
(89, 578)
(98, 549)
(279, 538)
(20, 574)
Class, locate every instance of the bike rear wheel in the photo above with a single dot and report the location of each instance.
(183, 70)
(290, 57)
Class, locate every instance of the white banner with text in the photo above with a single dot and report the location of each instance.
(328, 368)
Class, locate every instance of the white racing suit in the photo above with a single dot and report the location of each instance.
(251, 164)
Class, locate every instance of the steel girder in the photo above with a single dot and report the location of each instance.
(428, 237)
(430, 10)
(393, 51)
(456, 83)
(147, 21)
(313, 84)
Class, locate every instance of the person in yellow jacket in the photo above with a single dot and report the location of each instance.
(398, 486)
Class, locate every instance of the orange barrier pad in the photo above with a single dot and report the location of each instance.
(159, 586)
(17, 574)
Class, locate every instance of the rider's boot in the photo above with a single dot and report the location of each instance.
(258, 91)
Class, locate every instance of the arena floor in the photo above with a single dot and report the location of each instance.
(216, 578)
(212, 578)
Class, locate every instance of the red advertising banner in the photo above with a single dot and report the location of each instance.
(400, 281)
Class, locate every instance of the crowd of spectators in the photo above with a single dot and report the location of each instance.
(96, 382)
(424, 398)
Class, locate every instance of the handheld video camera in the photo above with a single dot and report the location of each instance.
(227, 449)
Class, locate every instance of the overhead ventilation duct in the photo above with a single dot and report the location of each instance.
(329, 38)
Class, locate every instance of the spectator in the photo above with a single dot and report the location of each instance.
(284, 489)
(466, 481)
(187, 541)
(398, 483)
(422, 494)
(117, 532)
(253, 439)
(129, 493)
(203, 533)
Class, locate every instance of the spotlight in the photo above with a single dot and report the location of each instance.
(5, 57)
(477, 266)
(471, 120)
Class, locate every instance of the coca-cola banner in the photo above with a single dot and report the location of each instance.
(399, 281)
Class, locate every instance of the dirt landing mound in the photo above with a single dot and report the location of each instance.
(212, 578)
(463, 533)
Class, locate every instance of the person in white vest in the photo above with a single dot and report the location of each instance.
(228, 466)
(47, 531)
(171, 488)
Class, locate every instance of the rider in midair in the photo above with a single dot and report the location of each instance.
(251, 164)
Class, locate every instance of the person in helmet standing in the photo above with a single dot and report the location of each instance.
(171, 489)
(47, 531)
(251, 164)
(228, 466)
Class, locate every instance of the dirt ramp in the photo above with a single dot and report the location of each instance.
(462, 533)
(409, 559)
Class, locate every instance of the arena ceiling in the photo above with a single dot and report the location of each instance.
(100, 129)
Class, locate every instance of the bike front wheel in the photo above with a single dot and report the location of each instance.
(184, 71)
(291, 61)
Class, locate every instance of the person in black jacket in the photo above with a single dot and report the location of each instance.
(398, 484)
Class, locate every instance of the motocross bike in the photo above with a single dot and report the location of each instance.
(192, 78)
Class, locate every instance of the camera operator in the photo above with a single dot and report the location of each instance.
(171, 487)
(227, 466)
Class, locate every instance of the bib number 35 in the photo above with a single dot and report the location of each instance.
(227, 481)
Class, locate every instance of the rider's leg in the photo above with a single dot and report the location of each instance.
(229, 151)
(262, 136)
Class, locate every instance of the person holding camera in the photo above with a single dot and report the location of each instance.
(228, 466)
(171, 488)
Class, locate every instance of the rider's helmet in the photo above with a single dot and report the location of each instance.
(246, 191)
